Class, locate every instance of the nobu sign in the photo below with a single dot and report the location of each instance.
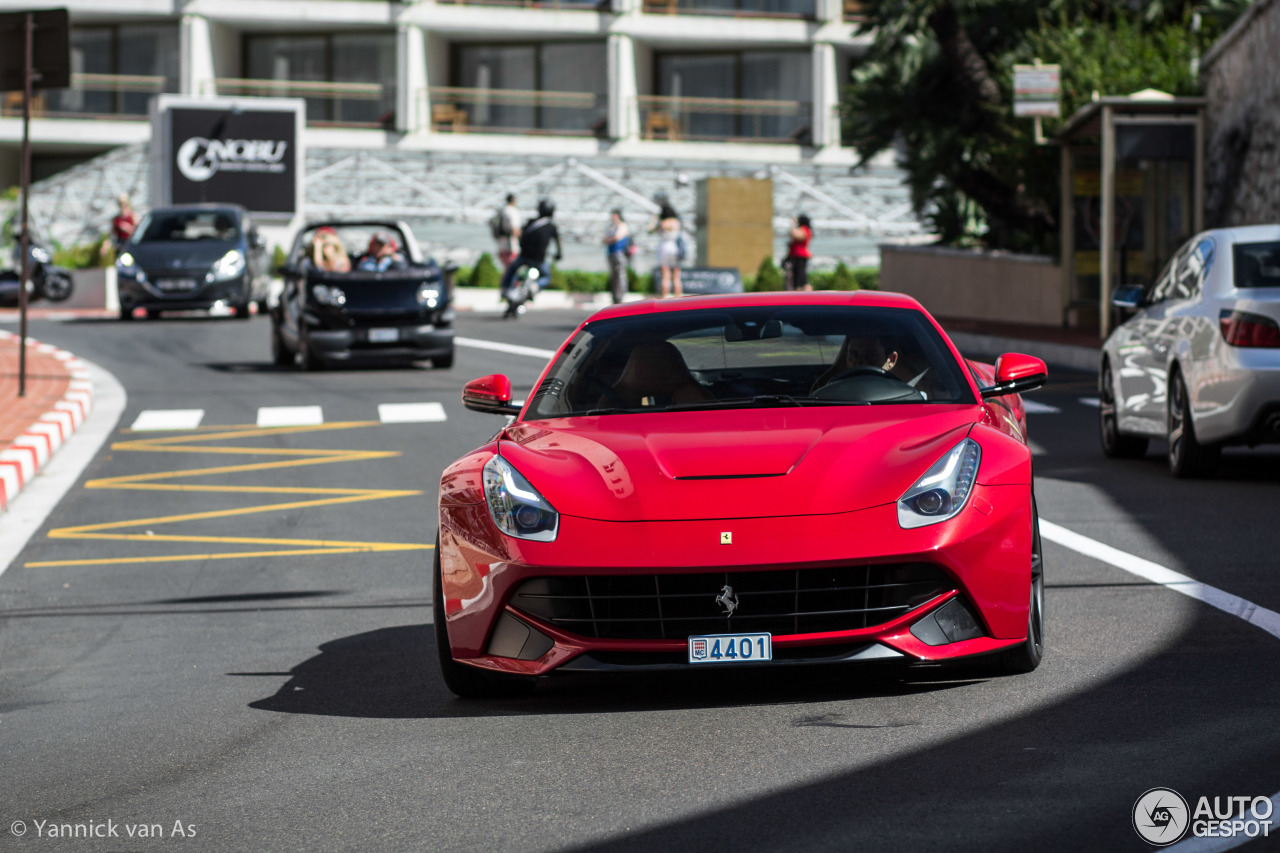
(243, 156)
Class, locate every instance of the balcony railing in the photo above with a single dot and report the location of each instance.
(111, 96)
(329, 104)
(724, 119)
(737, 8)
(596, 5)
(854, 11)
(461, 110)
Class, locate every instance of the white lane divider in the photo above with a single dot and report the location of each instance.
(1034, 408)
(514, 349)
(411, 413)
(167, 419)
(1261, 617)
(1090, 401)
(289, 416)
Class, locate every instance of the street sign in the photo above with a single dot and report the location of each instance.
(1035, 91)
(51, 58)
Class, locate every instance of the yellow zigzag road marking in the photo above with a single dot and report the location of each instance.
(187, 443)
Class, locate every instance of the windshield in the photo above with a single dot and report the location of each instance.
(1256, 264)
(751, 357)
(187, 225)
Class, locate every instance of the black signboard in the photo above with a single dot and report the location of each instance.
(227, 155)
(51, 56)
(705, 280)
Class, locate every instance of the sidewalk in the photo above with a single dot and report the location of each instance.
(58, 396)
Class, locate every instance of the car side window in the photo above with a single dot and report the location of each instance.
(1189, 278)
(1167, 285)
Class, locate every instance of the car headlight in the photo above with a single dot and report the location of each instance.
(327, 294)
(516, 506)
(428, 296)
(942, 491)
(229, 265)
(127, 266)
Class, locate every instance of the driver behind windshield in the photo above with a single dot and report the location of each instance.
(859, 351)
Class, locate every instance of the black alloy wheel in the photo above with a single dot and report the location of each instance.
(56, 287)
(1188, 458)
(467, 681)
(1115, 445)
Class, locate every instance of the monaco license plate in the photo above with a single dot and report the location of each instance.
(176, 284)
(730, 648)
(383, 336)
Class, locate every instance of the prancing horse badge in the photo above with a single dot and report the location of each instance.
(726, 538)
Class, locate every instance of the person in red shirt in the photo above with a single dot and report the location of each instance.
(798, 254)
(124, 223)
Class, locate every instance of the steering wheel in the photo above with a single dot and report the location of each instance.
(864, 370)
(614, 398)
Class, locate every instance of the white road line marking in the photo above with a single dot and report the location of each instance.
(167, 419)
(410, 413)
(1034, 408)
(1261, 617)
(282, 416)
(1091, 401)
(511, 348)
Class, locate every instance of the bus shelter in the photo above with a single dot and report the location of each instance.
(1132, 193)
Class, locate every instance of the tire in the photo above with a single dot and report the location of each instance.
(1026, 657)
(57, 287)
(241, 312)
(305, 358)
(126, 314)
(280, 354)
(153, 313)
(1188, 458)
(467, 681)
(444, 361)
(1115, 445)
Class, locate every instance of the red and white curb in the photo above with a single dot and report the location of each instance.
(32, 450)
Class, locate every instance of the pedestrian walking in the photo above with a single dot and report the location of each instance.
(124, 223)
(617, 241)
(505, 226)
(669, 249)
(798, 254)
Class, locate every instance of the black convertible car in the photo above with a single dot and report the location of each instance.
(356, 291)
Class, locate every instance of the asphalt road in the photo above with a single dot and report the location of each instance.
(229, 630)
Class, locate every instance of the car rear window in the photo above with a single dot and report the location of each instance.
(1256, 264)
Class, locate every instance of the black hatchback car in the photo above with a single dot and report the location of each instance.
(192, 257)
(360, 291)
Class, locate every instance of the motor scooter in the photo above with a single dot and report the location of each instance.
(47, 281)
(528, 281)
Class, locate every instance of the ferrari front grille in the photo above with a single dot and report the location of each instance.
(782, 602)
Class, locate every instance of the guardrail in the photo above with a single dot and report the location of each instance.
(108, 96)
(466, 110)
(329, 103)
(724, 119)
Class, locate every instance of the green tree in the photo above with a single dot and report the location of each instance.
(485, 273)
(936, 87)
(768, 277)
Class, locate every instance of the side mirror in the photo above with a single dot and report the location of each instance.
(1128, 296)
(1016, 373)
(489, 394)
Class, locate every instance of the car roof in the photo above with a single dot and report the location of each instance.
(867, 298)
(1247, 233)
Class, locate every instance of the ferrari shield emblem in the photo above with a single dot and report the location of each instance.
(726, 538)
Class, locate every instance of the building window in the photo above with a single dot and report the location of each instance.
(352, 75)
(752, 95)
(116, 69)
(555, 87)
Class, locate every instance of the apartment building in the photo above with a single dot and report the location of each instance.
(725, 80)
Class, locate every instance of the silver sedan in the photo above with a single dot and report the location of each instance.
(1198, 362)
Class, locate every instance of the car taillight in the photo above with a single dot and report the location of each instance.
(1242, 329)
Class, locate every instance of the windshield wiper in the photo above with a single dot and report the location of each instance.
(761, 401)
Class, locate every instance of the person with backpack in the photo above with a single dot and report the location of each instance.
(505, 227)
(618, 248)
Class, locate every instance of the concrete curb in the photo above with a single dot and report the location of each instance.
(32, 450)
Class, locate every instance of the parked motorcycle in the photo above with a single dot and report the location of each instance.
(47, 280)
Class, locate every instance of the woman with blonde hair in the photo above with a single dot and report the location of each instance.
(327, 251)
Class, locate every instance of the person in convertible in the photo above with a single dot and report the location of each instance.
(383, 254)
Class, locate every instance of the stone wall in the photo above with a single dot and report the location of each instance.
(976, 285)
(1241, 75)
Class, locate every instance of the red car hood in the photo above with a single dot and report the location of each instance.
(750, 463)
